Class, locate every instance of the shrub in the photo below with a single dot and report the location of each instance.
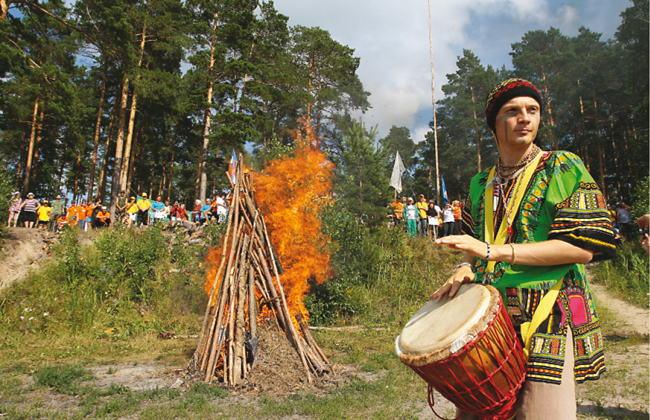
(128, 260)
(380, 275)
(119, 286)
(640, 199)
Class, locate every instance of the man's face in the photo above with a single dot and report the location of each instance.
(518, 121)
(58, 197)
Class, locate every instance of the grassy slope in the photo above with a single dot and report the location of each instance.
(392, 391)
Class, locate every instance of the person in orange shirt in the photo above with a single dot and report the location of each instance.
(81, 215)
(458, 223)
(72, 215)
(103, 218)
(89, 215)
(398, 208)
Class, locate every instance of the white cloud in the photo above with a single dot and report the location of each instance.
(419, 133)
(392, 40)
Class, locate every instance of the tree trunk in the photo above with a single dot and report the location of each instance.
(134, 106)
(119, 146)
(76, 177)
(30, 150)
(19, 167)
(584, 131)
(98, 126)
(138, 137)
(203, 170)
(140, 177)
(161, 186)
(101, 182)
(617, 173)
(39, 137)
(171, 168)
(549, 112)
(479, 136)
(602, 168)
(61, 172)
(129, 140)
(628, 155)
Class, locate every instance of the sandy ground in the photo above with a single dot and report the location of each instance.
(23, 250)
(633, 319)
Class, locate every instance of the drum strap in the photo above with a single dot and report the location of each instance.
(541, 313)
(513, 206)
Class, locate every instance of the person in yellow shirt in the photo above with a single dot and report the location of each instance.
(131, 211)
(44, 214)
(422, 207)
(143, 210)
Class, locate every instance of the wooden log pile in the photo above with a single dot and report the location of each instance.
(248, 279)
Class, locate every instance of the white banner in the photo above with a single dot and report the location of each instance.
(396, 177)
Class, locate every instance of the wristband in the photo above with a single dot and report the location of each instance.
(463, 264)
(514, 254)
(487, 257)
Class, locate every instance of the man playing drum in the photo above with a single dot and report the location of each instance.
(530, 224)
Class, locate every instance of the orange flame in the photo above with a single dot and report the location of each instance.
(212, 261)
(292, 191)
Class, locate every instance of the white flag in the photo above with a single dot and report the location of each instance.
(396, 177)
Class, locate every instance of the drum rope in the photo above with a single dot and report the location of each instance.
(465, 398)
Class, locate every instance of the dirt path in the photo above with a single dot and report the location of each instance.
(23, 250)
(633, 318)
(623, 391)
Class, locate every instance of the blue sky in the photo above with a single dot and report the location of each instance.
(392, 40)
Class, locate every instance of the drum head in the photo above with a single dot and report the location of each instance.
(443, 326)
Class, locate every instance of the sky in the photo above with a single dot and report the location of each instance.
(392, 40)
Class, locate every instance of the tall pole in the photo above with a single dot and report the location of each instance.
(433, 100)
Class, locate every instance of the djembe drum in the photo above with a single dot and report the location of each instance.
(466, 348)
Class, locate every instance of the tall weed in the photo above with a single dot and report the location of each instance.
(122, 284)
(627, 274)
(381, 275)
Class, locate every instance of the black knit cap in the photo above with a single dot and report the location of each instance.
(505, 91)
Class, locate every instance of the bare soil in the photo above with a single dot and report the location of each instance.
(22, 251)
(633, 318)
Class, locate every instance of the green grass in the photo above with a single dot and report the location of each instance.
(44, 370)
(64, 378)
(627, 275)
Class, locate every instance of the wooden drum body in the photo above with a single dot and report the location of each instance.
(466, 348)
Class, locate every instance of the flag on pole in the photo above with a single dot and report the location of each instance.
(444, 190)
(233, 167)
(398, 170)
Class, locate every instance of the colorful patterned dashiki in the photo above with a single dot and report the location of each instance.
(563, 202)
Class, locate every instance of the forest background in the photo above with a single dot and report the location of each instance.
(175, 86)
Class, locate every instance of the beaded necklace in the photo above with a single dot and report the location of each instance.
(517, 171)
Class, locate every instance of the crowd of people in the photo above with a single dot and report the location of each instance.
(426, 218)
(133, 211)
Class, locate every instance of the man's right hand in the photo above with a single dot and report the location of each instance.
(463, 275)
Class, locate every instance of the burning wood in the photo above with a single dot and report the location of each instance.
(248, 279)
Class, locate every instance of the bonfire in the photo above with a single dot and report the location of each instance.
(248, 286)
